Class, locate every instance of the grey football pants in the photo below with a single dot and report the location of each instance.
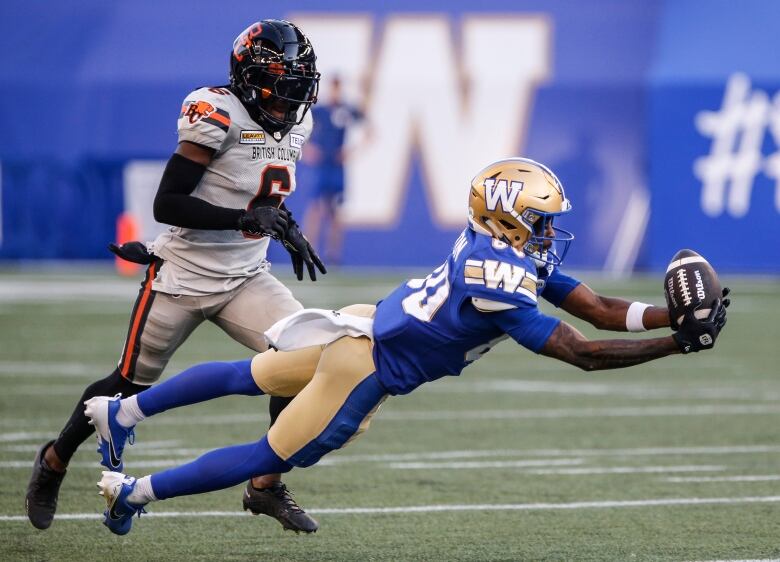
(161, 322)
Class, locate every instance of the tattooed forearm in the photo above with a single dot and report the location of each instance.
(568, 345)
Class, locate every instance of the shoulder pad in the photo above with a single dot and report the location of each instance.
(205, 116)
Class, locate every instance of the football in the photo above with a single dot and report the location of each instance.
(690, 282)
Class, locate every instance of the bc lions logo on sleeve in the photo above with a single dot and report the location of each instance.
(198, 110)
(205, 112)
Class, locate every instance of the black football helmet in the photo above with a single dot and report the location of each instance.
(272, 69)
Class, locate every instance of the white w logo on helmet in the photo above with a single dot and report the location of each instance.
(502, 192)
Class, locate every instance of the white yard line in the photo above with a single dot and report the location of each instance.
(175, 461)
(51, 368)
(559, 471)
(171, 448)
(146, 447)
(613, 412)
(64, 291)
(23, 436)
(96, 465)
(57, 369)
(338, 458)
(609, 504)
(524, 467)
(112, 289)
(628, 390)
(72, 390)
(485, 464)
(449, 415)
(76, 370)
(744, 478)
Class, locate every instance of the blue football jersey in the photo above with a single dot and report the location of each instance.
(553, 285)
(485, 292)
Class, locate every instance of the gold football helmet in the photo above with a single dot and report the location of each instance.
(515, 201)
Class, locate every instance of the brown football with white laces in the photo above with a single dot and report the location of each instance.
(690, 284)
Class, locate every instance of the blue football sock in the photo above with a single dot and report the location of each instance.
(198, 384)
(218, 469)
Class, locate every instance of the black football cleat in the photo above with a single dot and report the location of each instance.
(277, 502)
(42, 491)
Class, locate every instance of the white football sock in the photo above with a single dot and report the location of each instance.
(142, 493)
(129, 412)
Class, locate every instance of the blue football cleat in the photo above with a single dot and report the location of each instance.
(118, 516)
(111, 436)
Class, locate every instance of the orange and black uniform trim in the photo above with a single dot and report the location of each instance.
(219, 118)
(143, 305)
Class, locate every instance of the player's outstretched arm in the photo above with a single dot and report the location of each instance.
(569, 345)
(611, 313)
(619, 315)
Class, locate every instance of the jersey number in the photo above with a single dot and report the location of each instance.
(275, 185)
(434, 290)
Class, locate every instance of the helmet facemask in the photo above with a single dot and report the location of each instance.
(557, 243)
(276, 85)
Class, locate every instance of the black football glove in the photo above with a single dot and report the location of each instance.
(264, 221)
(726, 303)
(134, 251)
(301, 252)
(695, 335)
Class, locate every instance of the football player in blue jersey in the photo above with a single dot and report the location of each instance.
(340, 366)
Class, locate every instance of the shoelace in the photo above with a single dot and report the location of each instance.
(286, 497)
(50, 478)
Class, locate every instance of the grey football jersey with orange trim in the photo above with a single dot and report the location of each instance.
(250, 166)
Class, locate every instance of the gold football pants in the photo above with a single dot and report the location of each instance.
(336, 394)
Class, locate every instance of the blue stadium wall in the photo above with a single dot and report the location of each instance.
(661, 118)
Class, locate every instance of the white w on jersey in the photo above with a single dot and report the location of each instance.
(249, 164)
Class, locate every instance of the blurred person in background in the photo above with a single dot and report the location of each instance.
(223, 192)
(327, 151)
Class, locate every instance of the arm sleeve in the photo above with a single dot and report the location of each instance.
(175, 205)
(526, 325)
(558, 287)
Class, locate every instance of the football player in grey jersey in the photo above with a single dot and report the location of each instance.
(223, 193)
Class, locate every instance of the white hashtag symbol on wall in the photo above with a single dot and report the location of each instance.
(737, 131)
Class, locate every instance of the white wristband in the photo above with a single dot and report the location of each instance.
(634, 317)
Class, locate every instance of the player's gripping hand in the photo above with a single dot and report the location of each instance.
(264, 221)
(301, 253)
(134, 251)
(696, 334)
(726, 303)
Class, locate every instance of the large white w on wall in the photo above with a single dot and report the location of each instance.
(460, 106)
